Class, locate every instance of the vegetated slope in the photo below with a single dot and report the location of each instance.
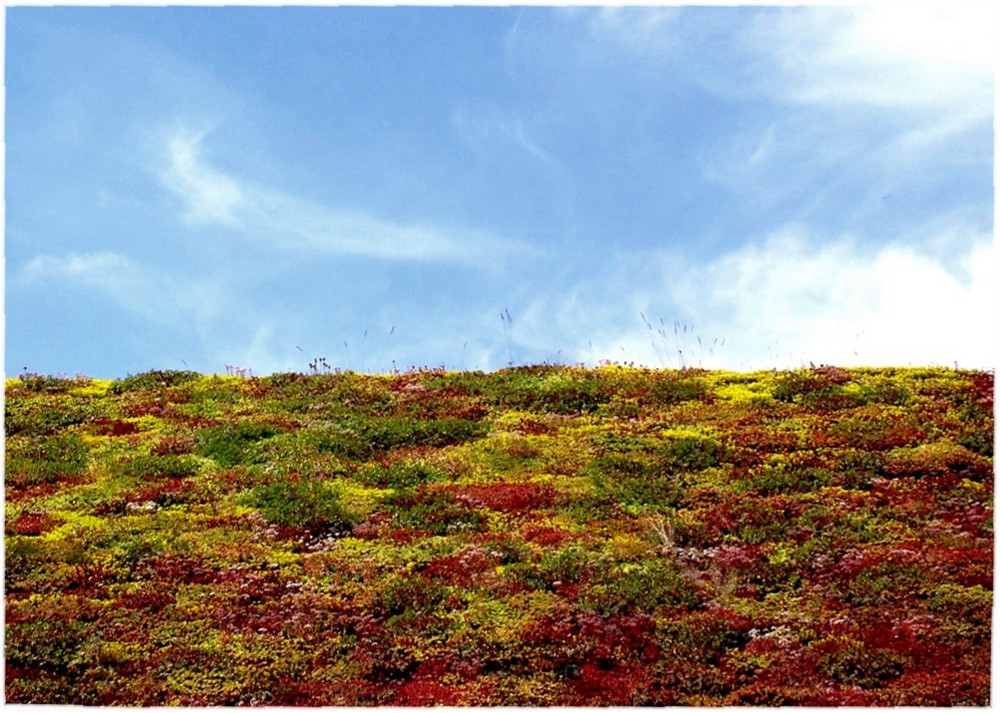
(534, 536)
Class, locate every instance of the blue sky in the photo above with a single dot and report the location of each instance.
(260, 186)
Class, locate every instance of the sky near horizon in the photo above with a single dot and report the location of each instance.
(725, 187)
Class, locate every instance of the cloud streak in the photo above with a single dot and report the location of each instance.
(209, 196)
(490, 132)
(212, 197)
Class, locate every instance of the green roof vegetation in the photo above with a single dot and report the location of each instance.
(536, 536)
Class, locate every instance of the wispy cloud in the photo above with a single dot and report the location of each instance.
(924, 56)
(285, 222)
(647, 27)
(934, 61)
(102, 268)
(740, 160)
(491, 132)
(162, 298)
(209, 196)
(214, 321)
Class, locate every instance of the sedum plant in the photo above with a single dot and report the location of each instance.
(537, 536)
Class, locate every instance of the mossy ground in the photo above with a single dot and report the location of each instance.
(535, 536)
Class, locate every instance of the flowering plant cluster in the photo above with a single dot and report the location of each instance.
(534, 536)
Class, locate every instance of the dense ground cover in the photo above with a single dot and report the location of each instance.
(534, 536)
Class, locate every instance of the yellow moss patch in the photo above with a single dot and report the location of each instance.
(74, 523)
(361, 500)
(755, 394)
(96, 387)
(629, 547)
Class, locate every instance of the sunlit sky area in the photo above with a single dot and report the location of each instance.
(725, 187)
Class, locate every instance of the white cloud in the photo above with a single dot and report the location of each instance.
(784, 303)
(287, 223)
(905, 54)
(962, 35)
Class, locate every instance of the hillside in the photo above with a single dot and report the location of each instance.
(534, 536)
